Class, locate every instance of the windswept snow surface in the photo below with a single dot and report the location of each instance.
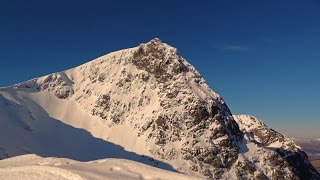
(32, 167)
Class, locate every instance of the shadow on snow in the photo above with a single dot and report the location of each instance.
(49, 137)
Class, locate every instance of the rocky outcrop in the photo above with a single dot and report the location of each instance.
(275, 152)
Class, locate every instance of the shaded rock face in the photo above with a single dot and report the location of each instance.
(158, 93)
(299, 164)
(3, 154)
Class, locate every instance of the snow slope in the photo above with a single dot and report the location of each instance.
(41, 123)
(32, 167)
(145, 104)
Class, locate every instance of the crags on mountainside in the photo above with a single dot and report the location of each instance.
(274, 152)
(155, 94)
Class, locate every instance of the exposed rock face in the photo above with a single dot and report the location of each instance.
(274, 152)
(170, 103)
(158, 93)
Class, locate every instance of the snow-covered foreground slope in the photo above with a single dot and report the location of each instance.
(32, 167)
(42, 124)
(145, 104)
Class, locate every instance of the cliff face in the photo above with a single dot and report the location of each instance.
(163, 107)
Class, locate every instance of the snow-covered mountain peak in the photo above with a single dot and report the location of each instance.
(158, 94)
(158, 44)
(159, 59)
(146, 99)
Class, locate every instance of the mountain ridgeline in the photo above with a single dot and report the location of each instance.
(145, 104)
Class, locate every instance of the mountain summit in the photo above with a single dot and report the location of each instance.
(145, 104)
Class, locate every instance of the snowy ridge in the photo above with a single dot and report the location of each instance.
(144, 104)
(264, 135)
(275, 155)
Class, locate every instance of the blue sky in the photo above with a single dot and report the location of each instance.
(262, 56)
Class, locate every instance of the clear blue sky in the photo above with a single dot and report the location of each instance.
(262, 56)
